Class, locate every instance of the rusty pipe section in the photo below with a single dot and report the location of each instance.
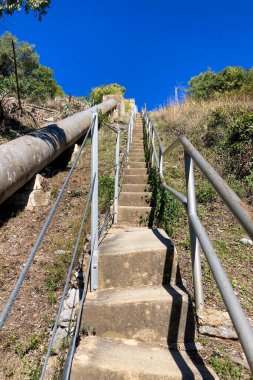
(22, 158)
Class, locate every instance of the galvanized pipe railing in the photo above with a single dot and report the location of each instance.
(197, 231)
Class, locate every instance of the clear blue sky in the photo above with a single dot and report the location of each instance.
(148, 46)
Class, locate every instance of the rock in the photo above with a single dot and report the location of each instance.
(241, 361)
(246, 241)
(216, 323)
(60, 252)
(73, 298)
(61, 333)
(50, 119)
(67, 316)
(221, 332)
(38, 198)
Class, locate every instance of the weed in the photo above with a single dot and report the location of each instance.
(105, 192)
(9, 342)
(86, 330)
(53, 192)
(31, 344)
(34, 372)
(54, 277)
(9, 372)
(205, 193)
(224, 366)
(77, 193)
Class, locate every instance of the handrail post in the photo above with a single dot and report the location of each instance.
(195, 252)
(152, 147)
(131, 127)
(160, 162)
(149, 133)
(128, 137)
(94, 204)
(116, 181)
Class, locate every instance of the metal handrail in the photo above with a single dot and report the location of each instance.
(198, 233)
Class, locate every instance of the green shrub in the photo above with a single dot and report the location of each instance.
(105, 192)
(205, 193)
(96, 95)
(231, 80)
(230, 130)
(36, 81)
(167, 207)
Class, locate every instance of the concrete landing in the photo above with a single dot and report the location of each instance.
(120, 359)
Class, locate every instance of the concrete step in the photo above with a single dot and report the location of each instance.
(135, 187)
(136, 171)
(134, 198)
(137, 145)
(150, 314)
(135, 215)
(137, 158)
(136, 256)
(121, 359)
(136, 179)
(132, 164)
(137, 151)
(137, 148)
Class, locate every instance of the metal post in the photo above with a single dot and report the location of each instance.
(161, 162)
(195, 253)
(131, 127)
(94, 204)
(152, 147)
(149, 133)
(128, 137)
(116, 181)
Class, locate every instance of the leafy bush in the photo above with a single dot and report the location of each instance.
(36, 81)
(96, 95)
(211, 85)
(229, 130)
(167, 208)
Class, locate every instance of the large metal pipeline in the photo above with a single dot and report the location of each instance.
(22, 158)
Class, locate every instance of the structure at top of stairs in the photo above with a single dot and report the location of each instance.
(142, 316)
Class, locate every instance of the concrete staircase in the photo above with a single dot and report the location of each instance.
(142, 317)
(134, 207)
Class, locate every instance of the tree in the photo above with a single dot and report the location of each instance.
(96, 95)
(36, 81)
(211, 85)
(39, 7)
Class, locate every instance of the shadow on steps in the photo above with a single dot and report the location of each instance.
(183, 310)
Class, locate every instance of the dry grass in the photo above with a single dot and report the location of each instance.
(185, 117)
